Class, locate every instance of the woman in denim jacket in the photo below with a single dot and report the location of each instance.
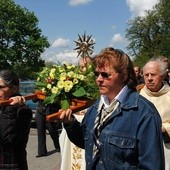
(121, 130)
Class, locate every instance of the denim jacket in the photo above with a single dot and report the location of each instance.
(130, 139)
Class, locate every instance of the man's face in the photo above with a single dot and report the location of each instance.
(137, 71)
(152, 76)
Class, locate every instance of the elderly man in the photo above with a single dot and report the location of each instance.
(158, 92)
(122, 129)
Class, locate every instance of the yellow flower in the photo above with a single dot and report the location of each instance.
(70, 74)
(81, 77)
(49, 86)
(68, 85)
(63, 76)
(70, 66)
(52, 73)
(61, 69)
(53, 70)
(75, 81)
(43, 90)
(54, 90)
(60, 84)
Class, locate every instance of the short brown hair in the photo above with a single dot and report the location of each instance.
(123, 62)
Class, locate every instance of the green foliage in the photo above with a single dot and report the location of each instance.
(141, 60)
(149, 36)
(79, 92)
(21, 42)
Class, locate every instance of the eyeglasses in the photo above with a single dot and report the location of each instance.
(103, 74)
(2, 86)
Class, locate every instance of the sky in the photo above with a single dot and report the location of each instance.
(61, 21)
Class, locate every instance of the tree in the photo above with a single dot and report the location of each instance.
(21, 42)
(149, 36)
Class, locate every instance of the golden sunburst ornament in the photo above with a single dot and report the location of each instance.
(85, 45)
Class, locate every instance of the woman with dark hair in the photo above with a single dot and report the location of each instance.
(15, 120)
(122, 129)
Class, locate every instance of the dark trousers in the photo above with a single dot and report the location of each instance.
(53, 129)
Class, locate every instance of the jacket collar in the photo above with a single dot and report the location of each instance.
(128, 99)
(161, 92)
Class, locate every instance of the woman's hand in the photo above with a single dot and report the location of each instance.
(17, 100)
(66, 116)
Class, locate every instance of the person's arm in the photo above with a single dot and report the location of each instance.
(73, 128)
(151, 152)
(75, 133)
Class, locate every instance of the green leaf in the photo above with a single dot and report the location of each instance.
(50, 99)
(41, 84)
(79, 92)
(65, 104)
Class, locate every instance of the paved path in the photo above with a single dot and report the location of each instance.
(50, 162)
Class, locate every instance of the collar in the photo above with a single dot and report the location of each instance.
(161, 92)
(120, 97)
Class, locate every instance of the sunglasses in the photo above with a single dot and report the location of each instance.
(103, 74)
(2, 87)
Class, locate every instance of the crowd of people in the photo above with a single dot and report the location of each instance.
(126, 128)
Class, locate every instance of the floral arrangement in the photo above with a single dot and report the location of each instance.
(63, 82)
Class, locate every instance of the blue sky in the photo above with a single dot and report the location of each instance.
(62, 20)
